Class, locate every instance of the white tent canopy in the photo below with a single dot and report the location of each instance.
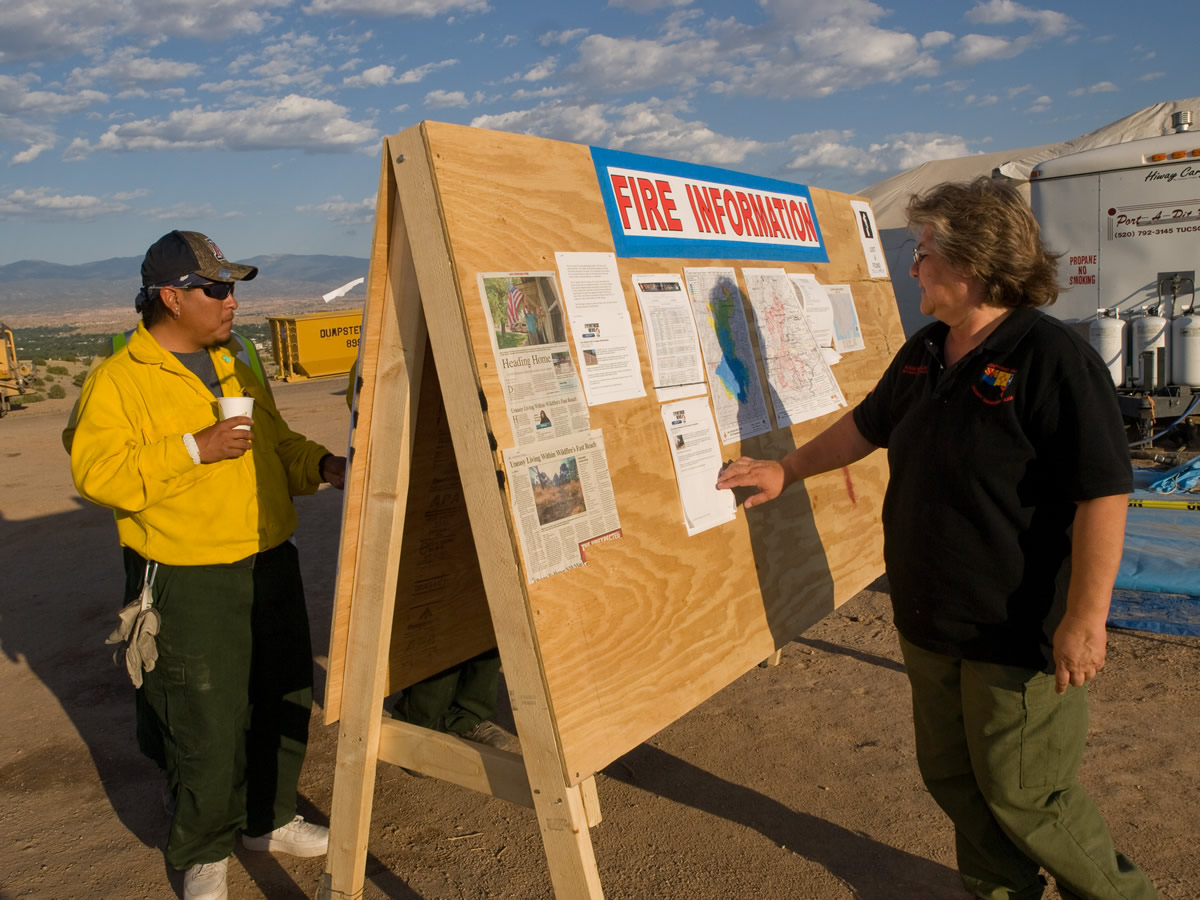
(890, 196)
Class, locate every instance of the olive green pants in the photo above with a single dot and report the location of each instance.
(457, 699)
(226, 709)
(998, 750)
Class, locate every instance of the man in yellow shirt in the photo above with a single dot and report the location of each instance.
(204, 514)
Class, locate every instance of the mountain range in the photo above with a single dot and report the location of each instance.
(29, 286)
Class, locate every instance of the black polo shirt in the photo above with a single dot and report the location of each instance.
(987, 460)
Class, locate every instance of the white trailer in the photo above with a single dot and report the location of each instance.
(1126, 219)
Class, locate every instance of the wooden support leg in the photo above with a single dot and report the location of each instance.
(560, 809)
(591, 801)
(772, 660)
(382, 462)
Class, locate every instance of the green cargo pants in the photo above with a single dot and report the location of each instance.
(226, 708)
(998, 750)
(457, 699)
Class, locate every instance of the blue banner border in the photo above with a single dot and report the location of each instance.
(656, 247)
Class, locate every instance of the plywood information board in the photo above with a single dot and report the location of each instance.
(601, 656)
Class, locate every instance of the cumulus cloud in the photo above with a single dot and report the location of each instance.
(977, 48)
(190, 210)
(37, 139)
(645, 6)
(936, 39)
(422, 9)
(656, 127)
(524, 94)
(815, 48)
(1045, 24)
(1041, 104)
(1100, 87)
(30, 153)
(834, 150)
(343, 212)
(448, 99)
(279, 65)
(622, 64)
(550, 38)
(542, 70)
(130, 66)
(45, 204)
(412, 76)
(376, 76)
(292, 122)
(65, 27)
(16, 96)
(584, 124)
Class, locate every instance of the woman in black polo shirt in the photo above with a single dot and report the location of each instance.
(1003, 525)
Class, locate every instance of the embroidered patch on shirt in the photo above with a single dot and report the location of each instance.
(994, 384)
(915, 370)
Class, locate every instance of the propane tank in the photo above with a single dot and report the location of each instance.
(1149, 334)
(1107, 337)
(1185, 349)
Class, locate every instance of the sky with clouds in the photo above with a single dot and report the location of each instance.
(259, 122)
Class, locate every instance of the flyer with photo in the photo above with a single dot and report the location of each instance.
(528, 331)
(562, 500)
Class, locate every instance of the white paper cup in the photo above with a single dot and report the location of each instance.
(236, 406)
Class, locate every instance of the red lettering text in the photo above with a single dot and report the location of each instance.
(620, 188)
(731, 209)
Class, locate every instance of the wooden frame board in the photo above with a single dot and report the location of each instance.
(598, 658)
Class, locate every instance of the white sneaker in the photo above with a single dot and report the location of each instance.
(206, 881)
(297, 837)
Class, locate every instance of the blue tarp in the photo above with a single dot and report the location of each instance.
(1161, 613)
(1158, 584)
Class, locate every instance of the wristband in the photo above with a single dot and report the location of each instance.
(193, 448)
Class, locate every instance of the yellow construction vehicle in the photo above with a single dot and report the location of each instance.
(12, 378)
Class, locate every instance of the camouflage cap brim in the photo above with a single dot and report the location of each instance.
(211, 262)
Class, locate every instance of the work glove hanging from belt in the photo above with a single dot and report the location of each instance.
(139, 624)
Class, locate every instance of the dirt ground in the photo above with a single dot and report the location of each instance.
(793, 782)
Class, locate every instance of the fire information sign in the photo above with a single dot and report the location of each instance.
(663, 208)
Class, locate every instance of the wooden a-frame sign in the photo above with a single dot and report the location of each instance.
(599, 658)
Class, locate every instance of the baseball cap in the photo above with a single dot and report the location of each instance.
(175, 257)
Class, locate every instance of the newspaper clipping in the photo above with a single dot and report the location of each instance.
(562, 500)
(541, 386)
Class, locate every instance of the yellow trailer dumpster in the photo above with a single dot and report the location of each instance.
(12, 373)
(315, 345)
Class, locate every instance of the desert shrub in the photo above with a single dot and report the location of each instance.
(57, 392)
(39, 361)
(57, 370)
(47, 378)
(26, 399)
(80, 378)
(69, 357)
(37, 381)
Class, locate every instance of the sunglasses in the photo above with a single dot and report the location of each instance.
(216, 289)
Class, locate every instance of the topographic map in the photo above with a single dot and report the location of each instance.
(740, 408)
(801, 382)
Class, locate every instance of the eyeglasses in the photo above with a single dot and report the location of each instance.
(919, 255)
(218, 290)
